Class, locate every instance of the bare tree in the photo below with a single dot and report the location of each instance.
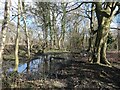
(63, 23)
(105, 13)
(4, 28)
(17, 40)
(26, 33)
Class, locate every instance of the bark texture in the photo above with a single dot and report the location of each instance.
(4, 28)
(104, 16)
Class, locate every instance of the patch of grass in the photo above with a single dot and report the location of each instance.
(55, 50)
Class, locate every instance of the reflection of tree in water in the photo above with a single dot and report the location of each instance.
(42, 66)
(46, 66)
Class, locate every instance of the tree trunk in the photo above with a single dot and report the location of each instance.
(53, 27)
(101, 42)
(17, 40)
(82, 38)
(118, 46)
(26, 34)
(91, 27)
(103, 54)
(63, 22)
(50, 27)
(104, 16)
(4, 29)
(45, 33)
(3, 35)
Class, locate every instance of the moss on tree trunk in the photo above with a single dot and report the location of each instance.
(101, 42)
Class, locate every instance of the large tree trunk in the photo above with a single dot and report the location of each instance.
(17, 40)
(104, 16)
(101, 41)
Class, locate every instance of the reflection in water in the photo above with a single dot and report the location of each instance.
(43, 66)
(33, 66)
(20, 68)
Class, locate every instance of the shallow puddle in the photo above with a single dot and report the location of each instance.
(33, 65)
(45, 63)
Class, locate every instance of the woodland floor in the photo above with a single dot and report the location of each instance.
(78, 74)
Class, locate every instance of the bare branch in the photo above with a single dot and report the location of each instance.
(75, 7)
(115, 28)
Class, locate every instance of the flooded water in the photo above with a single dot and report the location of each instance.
(44, 64)
(33, 65)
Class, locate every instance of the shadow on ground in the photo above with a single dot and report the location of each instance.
(79, 74)
(74, 73)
